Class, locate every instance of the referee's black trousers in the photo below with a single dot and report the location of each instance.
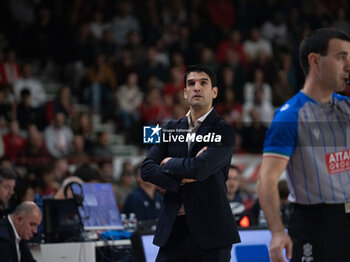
(320, 233)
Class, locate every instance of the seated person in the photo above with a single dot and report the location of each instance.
(18, 227)
(233, 193)
(145, 201)
(232, 184)
(7, 185)
(257, 216)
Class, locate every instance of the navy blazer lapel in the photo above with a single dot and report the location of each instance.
(12, 238)
(183, 123)
(184, 126)
(204, 128)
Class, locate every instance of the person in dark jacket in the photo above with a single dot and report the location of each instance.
(18, 227)
(7, 186)
(144, 201)
(196, 223)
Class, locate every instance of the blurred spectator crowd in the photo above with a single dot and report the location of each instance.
(124, 60)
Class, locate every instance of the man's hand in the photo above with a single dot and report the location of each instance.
(270, 171)
(190, 180)
(164, 161)
(202, 150)
(280, 241)
(187, 180)
(184, 180)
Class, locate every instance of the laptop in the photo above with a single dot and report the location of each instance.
(99, 210)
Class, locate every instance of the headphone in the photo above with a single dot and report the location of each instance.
(78, 197)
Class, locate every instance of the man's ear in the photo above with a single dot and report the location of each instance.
(19, 219)
(313, 59)
(185, 93)
(215, 92)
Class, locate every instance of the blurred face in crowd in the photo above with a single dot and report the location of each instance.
(254, 34)
(27, 70)
(151, 53)
(236, 36)
(132, 80)
(107, 36)
(228, 76)
(60, 120)
(61, 168)
(258, 76)
(100, 60)
(11, 56)
(85, 123)
(207, 55)
(6, 191)
(153, 97)
(14, 128)
(35, 138)
(104, 139)
(65, 93)
(134, 38)
(232, 182)
(107, 171)
(29, 194)
(78, 143)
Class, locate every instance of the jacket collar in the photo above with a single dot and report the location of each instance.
(206, 125)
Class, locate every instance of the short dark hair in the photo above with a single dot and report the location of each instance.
(317, 42)
(25, 92)
(87, 173)
(236, 168)
(7, 173)
(201, 68)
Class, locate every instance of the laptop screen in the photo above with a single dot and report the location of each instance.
(99, 210)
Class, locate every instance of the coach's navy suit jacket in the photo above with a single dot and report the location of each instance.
(207, 209)
(8, 252)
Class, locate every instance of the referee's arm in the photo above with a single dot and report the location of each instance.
(270, 172)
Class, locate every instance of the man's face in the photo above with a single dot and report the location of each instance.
(104, 139)
(232, 182)
(27, 71)
(60, 120)
(199, 91)
(28, 225)
(335, 66)
(6, 190)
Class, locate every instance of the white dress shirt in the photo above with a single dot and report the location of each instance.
(192, 129)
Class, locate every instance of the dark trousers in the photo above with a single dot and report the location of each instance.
(181, 247)
(320, 233)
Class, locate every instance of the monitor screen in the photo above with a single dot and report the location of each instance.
(61, 221)
(254, 246)
(149, 248)
(99, 210)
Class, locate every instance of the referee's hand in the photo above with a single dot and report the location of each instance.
(280, 241)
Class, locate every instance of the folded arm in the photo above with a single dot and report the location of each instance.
(151, 170)
(200, 167)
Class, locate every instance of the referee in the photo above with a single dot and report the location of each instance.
(310, 139)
